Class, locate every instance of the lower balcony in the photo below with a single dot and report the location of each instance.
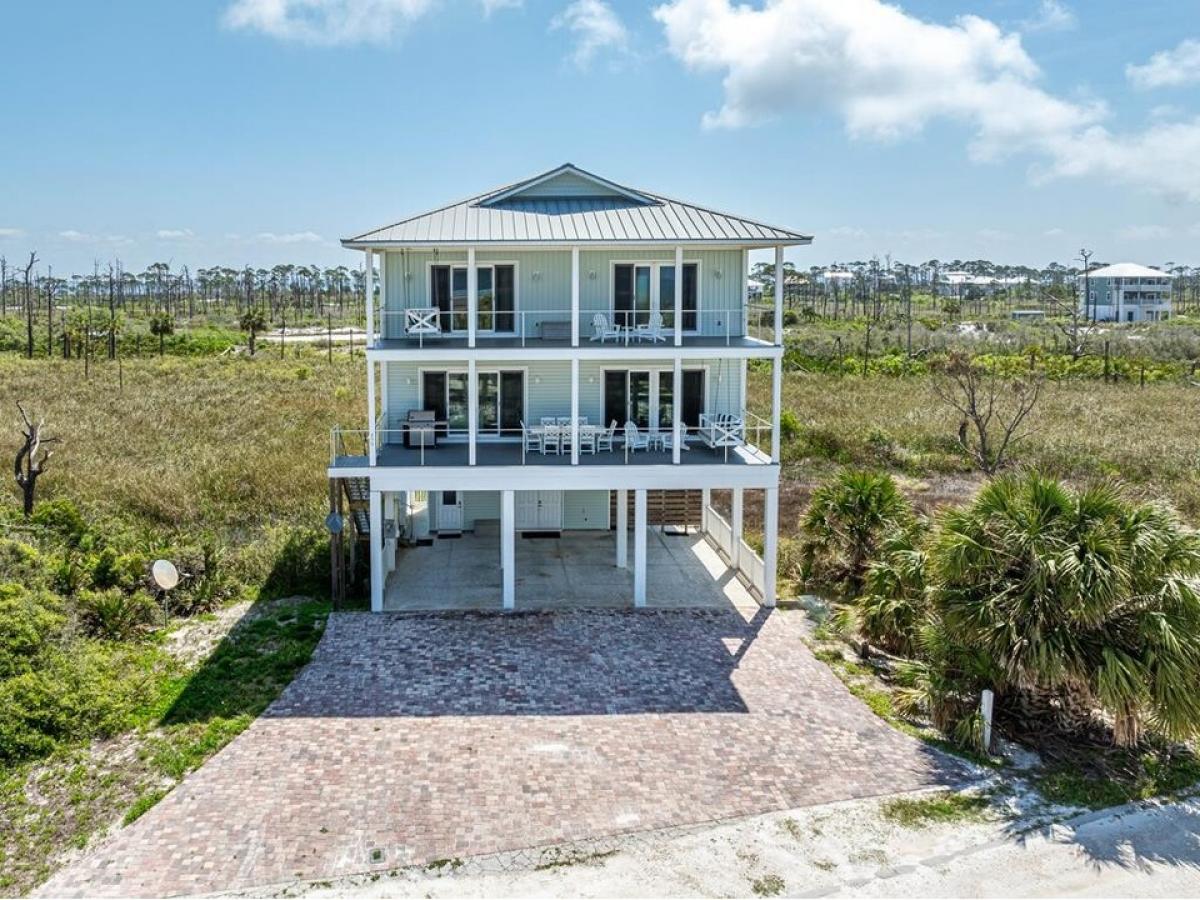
(720, 441)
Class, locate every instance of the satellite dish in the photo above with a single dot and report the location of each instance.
(164, 574)
(334, 523)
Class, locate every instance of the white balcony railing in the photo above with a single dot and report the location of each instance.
(424, 326)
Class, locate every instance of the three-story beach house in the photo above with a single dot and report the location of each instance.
(543, 357)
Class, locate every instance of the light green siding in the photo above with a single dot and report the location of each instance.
(582, 510)
(543, 280)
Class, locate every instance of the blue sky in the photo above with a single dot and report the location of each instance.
(260, 131)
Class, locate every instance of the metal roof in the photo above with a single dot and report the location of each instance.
(516, 214)
(1128, 270)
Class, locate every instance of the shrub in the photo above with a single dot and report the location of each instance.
(789, 425)
(115, 615)
(848, 518)
(28, 623)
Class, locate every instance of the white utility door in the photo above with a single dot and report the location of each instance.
(539, 510)
(450, 511)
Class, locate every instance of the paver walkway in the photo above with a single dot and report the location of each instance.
(414, 738)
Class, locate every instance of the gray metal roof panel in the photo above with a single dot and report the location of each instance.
(575, 219)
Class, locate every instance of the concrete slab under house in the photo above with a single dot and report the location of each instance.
(556, 383)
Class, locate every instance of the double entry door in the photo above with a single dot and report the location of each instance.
(539, 510)
(644, 396)
(501, 401)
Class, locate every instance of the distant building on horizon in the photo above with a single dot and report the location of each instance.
(1126, 292)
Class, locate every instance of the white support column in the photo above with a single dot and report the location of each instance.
(735, 528)
(376, 544)
(679, 305)
(778, 296)
(380, 313)
(472, 410)
(676, 409)
(574, 411)
(770, 543)
(384, 410)
(776, 405)
(372, 437)
(622, 529)
(508, 547)
(369, 294)
(574, 296)
(472, 297)
(742, 389)
(639, 547)
(705, 503)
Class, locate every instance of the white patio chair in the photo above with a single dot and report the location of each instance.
(549, 420)
(604, 437)
(602, 331)
(634, 439)
(530, 440)
(587, 438)
(652, 330)
(552, 439)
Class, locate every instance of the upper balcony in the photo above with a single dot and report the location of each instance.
(618, 299)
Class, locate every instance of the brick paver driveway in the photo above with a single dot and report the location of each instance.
(410, 739)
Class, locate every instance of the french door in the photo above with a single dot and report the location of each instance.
(645, 396)
(642, 289)
(539, 510)
(501, 401)
(496, 289)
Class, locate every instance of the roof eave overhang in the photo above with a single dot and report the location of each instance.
(367, 244)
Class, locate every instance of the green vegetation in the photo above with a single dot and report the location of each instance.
(917, 812)
(768, 886)
(109, 694)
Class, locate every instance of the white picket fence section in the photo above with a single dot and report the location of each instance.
(741, 557)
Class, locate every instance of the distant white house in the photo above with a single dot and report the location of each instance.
(954, 283)
(832, 277)
(1126, 292)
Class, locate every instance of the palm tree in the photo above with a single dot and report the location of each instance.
(1080, 599)
(848, 518)
(253, 321)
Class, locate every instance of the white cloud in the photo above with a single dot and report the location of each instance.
(848, 231)
(11, 232)
(1051, 15)
(595, 27)
(1168, 68)
(889, 74)
(1144, 233)
(173, 234)
(494, 6)
(326, 21)
(83, 237)
(295, 237)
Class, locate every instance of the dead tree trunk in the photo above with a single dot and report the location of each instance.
(29, 464)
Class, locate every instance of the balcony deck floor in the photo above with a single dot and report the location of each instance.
(509, 454)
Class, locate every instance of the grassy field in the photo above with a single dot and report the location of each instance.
(217, 463)
(1147, 436)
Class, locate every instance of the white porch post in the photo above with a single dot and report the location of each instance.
(508, 547)
(679, 308)
(676, 407)
(372, 437)
(639, 547)
(376, 544)
(574, 411)
(382, 308)
(778, 296)
(369, 291)
(384, 410)
(776, 405)
(735, 528)
(770, 543)
(472, 410)
(472, 297)
(742, 391)
(574, 296)
(622, 529)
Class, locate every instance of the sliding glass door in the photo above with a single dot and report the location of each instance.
(631, 294)
(645, 396)
(501, 401)
(639, 290)
(496, 290)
